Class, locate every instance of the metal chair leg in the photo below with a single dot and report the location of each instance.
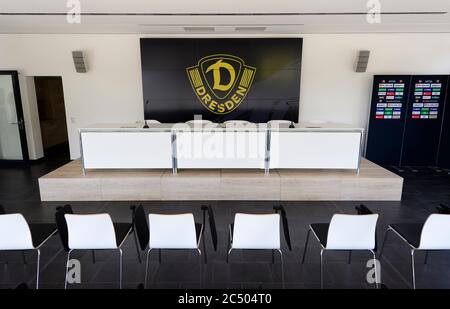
(201, 267)
(137, 246)
(228, 254)
(120, 268)
(426, 257)
(384, 242)
(93, 256)
(228, 246)
(306, 246)
(204, 250)
(146, 269)
(282, 268)
(349, 257)
(38, 265)
(321, 269)
(413, 270)
(67, 269)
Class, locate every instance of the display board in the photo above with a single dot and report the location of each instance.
(254, 79)
(387, 118)
(428, 95)
(424, 120)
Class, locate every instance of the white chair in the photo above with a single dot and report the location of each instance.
(17, 235)
(152, 121)
(258, 232)
(173, 232)
(278, 122)
(199, 122)
(345, 233)
(433, 235)
(236, 122)
(95, 232)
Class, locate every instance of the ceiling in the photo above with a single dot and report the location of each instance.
(224, 16)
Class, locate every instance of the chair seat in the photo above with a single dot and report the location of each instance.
(122, 230)
(411, 232)
(321, 231)
(40, 232)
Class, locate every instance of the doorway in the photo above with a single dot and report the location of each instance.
(13, 141)
(52, 117)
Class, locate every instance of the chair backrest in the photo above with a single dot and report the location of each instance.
(212, 224)
(199, 121)
(363, 210)
(287, 235)
(256, 231)
(153, 121)
(172, 231)
(141, 226)
(278, 122)
(236, 122)
(2, 210)
(61, 224)
(91, 231)
(436, 233)
(352, 232)
(15, 233)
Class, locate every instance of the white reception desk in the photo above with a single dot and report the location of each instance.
(257, 146)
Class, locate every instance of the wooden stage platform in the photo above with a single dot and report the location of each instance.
(373, 183)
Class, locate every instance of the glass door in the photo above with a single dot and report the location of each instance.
(13, 145)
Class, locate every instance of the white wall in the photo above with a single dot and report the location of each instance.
(112, 89)
(110, 92)
(332, 91)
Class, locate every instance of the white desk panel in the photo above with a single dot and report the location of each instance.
(315, 150)
(221, 149)
(126, 150)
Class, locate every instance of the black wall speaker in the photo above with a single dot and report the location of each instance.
(79, 62)
(363, 61)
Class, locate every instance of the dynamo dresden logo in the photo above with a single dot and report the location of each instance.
(221, 82)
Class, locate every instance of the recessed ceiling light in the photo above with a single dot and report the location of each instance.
(250, 29)
(199, 29)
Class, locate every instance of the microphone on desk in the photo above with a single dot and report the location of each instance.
(288, 103)
(145, 124)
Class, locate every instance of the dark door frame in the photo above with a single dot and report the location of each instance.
(19, 110)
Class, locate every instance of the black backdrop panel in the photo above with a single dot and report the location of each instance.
(444, 153)
(387, 118)
(424, 120)
(170, 95)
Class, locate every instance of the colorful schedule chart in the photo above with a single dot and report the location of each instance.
(427, 97)
(391, 97)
